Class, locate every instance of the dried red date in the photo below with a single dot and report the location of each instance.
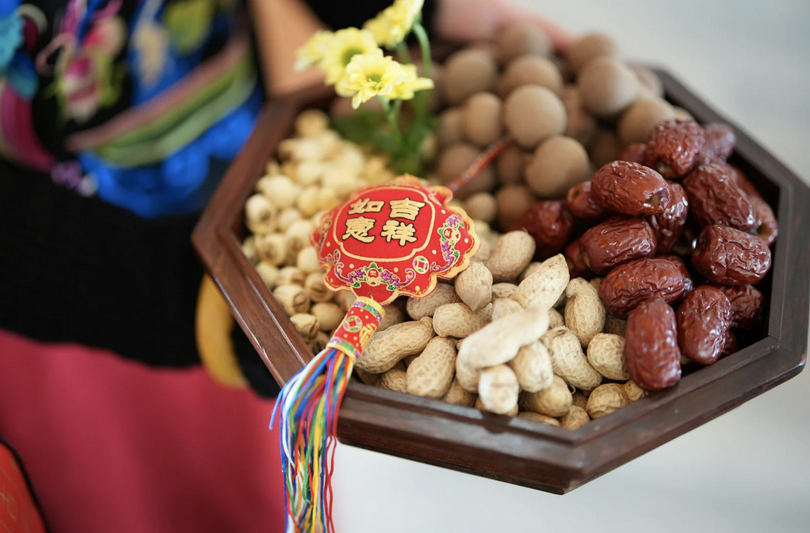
(684, 270)
(731, 257)
(581, 202)
(704, 318)
(715, 197)
(746, 304)
(673, 146)
(730, 346)
(616, 241)
(651, 346)
(767, 226)
(627, 285)
(576, 266)
(634, 153)
(686, 244)
(743, 181)
(551, 226)
(630, 188)
(720, 141)
(668, 225)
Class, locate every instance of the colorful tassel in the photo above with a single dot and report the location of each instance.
(307, 412)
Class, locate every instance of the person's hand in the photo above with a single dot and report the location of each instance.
(281, 26)
(469, 20)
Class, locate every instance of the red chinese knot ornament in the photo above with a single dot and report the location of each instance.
(394, 239)
(386, 241)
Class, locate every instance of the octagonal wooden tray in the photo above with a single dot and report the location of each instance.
(512, 449)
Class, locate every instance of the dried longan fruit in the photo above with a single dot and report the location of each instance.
(513, 201)
(511, 165)
(530, 70)
(521, 38)
(651, 84)
(483, 118)
(607, 86)
(490, 47)
(581, 125)
(481, 206)
(454, 160)
(557, 165)
(590, 47)
(606, 148)
(641, 117)
(533, 114)
(562, 65)
(467, 72)
(451, 130)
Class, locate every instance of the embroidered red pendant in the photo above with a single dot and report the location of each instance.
(395, 239)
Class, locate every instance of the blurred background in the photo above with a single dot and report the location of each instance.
(747, 470)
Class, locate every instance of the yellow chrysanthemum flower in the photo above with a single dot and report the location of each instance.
(391, 25)
(313, 52)
(373, 75)
(411, 84)
(370, 75)
(344, 45)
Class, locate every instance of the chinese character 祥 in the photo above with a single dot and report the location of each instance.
(398, 231)
(406, 208)
(358, 228)
(364, 205)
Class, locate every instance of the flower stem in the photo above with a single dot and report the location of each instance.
(424, 45)
(404, 54)
(397, 109)
(392, 120)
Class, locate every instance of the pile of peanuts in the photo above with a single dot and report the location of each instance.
(586, 189)
(509, 337)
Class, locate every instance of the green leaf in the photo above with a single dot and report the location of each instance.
(367, 127)
(371, 128)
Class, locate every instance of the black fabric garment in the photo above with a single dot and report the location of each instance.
(80, 270)
(252, 365)
(343, 14)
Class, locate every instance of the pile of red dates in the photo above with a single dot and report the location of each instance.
(681, 238)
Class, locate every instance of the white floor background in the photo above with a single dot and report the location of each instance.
(746, 471)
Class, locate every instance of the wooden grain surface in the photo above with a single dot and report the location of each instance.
(510, 449)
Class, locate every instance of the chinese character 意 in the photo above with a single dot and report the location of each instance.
(406, 208)
(359, 228)
(364, 205)
(398, 231)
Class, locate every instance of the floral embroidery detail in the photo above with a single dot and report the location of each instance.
(91, 50)
(151, 40)
(449, 235)
(69, 174)
(86, 76)
(371, 275)
(87, 81)
(189, 22)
